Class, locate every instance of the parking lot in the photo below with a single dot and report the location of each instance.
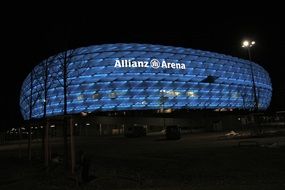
(196, 161)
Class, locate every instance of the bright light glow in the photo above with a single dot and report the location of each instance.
(167, 110)
(83, 113)
(245, 43)
(171, 92)
(191, 94)
(80, 97)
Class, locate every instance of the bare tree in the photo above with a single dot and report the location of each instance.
(44, 84)
(30, 96)
(57, 72)
(67, 69)
(246, 100)
(242, 93)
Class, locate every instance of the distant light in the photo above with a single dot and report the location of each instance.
(245, 43)
(75, 124)
(191, 94)
(222, 109)
(80, 97)
(87, 124)
(167, 110)
(52, 126)
(83, 113)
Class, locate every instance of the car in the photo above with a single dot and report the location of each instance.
(173, 132)
(135, 131)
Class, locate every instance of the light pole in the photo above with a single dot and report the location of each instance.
(248, 44)
(162, 101)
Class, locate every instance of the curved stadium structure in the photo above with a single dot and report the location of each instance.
(142, 77)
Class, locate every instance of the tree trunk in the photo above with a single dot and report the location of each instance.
(46, 144)
(30, 143)
(65, 144)
(20, 145)
(72, 147)
(31, 115)
(65, 111)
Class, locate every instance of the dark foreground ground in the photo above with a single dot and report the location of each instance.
(197, 161)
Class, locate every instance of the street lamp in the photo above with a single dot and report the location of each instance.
(248, 44)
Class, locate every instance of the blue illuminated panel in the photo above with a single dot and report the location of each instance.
(144, 77)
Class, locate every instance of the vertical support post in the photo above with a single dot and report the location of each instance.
(30, 143)
(255, 106)
(46, 143)
(72, 147)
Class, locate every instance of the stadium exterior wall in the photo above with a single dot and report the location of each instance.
(114, 77)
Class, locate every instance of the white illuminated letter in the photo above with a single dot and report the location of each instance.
(163, 64)
(118, 63)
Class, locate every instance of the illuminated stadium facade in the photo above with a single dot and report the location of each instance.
(116, 77)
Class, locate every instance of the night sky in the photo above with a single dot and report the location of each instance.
(33, 36)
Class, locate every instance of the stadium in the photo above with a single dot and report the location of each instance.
(142, 78)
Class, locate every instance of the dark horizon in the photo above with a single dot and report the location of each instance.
(34, 41)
